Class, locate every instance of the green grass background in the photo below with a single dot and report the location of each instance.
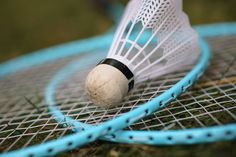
(28, 25)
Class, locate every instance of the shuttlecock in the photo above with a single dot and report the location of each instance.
(154, 38)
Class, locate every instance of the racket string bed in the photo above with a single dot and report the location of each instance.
(206, 113)
(24, 114)
(206, 109)
(26, 119)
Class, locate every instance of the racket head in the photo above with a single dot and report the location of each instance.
(198, 132)
(24, 66)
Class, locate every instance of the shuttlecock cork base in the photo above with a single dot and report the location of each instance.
(108, 83)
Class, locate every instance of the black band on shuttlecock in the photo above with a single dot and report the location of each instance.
(122, 67)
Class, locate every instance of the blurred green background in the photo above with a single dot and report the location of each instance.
(28, 25)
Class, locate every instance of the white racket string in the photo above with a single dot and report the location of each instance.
(25, 119)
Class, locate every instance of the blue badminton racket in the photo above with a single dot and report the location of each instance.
(185, 136)
(203, 134)
(24, 66)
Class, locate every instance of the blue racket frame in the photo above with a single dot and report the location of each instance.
(92, 133)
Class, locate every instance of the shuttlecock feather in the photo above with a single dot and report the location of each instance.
(154, 38)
